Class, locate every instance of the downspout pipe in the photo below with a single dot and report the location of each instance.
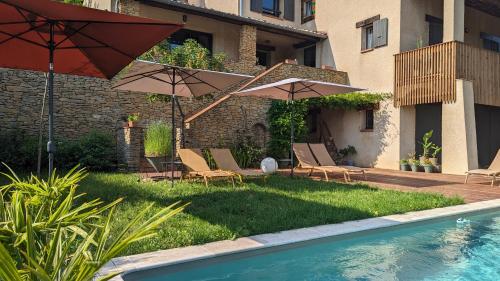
(240, 8)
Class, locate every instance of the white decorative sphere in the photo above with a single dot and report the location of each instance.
(269, 165)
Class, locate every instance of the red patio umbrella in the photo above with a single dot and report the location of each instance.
(48, 36)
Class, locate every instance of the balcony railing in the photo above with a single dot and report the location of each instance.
(428, 75)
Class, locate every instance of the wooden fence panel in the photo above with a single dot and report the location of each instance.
(426, 75)
(482, 67)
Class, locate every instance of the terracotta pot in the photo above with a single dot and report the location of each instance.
(422, 159)
(131, 124)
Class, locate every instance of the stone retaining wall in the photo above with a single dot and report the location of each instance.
(83, 104)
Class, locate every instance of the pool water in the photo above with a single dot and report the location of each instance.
(439, 250)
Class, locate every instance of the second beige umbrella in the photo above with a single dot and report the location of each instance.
(294, 89)
(148, 77)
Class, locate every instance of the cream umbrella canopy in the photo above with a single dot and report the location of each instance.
(155, 78)
(294, 89)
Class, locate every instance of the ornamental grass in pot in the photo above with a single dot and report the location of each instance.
(158, 145)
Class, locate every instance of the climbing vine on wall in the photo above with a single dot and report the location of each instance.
(279, 116)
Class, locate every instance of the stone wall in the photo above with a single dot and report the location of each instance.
(241, 117)
(130, 144)
(83, 104)
(129, 7)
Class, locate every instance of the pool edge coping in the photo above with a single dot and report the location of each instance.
(129, 264)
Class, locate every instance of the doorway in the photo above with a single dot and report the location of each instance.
(428, 117)
(487, 133)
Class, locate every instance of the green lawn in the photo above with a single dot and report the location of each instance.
(223, 212)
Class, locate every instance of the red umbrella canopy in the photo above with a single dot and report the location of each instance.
(87, 42)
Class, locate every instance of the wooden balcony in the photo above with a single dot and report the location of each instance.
(428, 75)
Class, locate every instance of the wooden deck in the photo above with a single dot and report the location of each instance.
(478, 189)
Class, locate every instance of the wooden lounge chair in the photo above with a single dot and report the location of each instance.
(308, 162)
(198, 167)
(225, 161)
(325, 160)
(493, 170)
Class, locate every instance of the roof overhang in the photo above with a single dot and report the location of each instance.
(302, 34)
(491, 7)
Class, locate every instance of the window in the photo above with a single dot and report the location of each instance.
(435, 29)
(368, 122)
(263, 58)
(179, 37)
(490, 42)
(310, 56)
(491, 45)
(308, 10)
(368, 30)
(374, 32)
(271, 7)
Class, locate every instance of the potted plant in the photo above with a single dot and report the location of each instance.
(132, 119)
(426, 146)
(428, 166)
(414, 163)
(404, 165)
(158, 144)
(436, 149)
(346, 153)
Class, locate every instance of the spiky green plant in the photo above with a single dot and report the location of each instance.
(47, 234)
(158, 140)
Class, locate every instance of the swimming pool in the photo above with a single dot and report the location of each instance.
(433, 250)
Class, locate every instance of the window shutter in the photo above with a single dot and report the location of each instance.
(289, 13)
(256, 6)
(380, 30)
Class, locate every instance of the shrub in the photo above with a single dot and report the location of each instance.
(19, 150)
(95, 150)
(48, 235)
(191, 54)
(158, 140)
(280, 123)
(247, 154)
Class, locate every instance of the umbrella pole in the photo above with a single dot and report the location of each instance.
(50, 143)
(173, 128)
(292, 93)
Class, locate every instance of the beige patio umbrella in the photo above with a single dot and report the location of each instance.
(295, 89)
(155, 78)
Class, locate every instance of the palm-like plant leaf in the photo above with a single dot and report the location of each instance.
(60, 239)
